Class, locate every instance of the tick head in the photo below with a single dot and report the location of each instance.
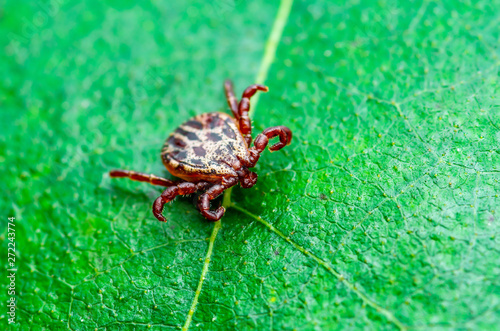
(248, 179)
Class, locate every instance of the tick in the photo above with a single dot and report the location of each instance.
(211, 152)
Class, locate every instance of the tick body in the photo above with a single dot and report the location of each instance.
(212, 152)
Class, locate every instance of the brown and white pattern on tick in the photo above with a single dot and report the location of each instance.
(205, 147)
(211, 153)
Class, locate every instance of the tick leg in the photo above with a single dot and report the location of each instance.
(262, 140)
(231, 99)
(141, 177)
(213, 192)
(243, 108)
(170, 193)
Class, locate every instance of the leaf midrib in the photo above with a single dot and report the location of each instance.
(265, 65)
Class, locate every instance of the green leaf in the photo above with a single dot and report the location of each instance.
(382, 214)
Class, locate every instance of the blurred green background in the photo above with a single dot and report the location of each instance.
(382, 214)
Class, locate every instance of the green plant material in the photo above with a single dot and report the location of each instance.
(382, 214)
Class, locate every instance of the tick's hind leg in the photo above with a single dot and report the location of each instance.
(141, 177)
(170, 193)
(212, 193)
(245, 124)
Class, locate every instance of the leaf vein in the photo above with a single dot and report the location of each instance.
(268, 58)
(328, 267)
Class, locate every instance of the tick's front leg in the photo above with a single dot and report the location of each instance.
(213, 192)
(262, 140)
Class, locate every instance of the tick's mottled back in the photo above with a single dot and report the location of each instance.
(212, 153)
(205, 146)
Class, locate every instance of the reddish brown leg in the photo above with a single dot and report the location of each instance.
(141, 177)
(262, 140)
(231, 99)
(170, 193)
(212, 193)
(244, 106)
